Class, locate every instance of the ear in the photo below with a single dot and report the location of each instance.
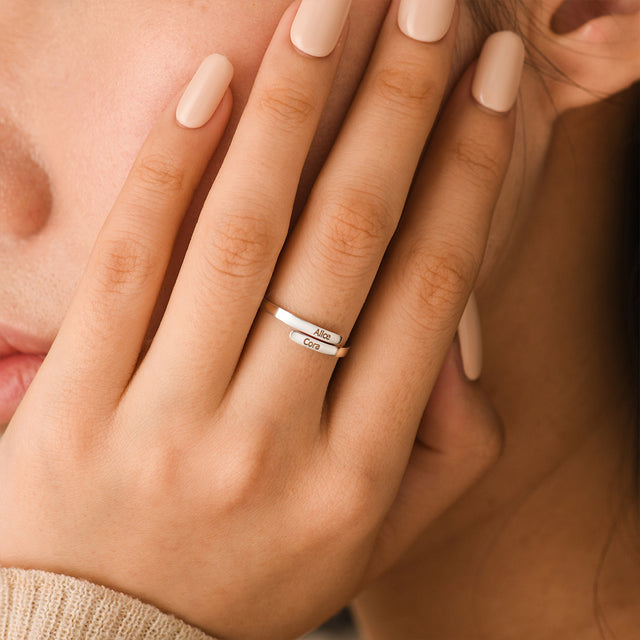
(587, 49)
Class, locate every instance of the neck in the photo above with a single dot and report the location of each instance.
(523, 554)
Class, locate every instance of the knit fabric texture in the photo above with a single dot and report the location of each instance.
(38, 605)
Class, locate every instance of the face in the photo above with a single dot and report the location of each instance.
(81, 84)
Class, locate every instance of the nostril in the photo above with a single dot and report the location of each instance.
(25, 191)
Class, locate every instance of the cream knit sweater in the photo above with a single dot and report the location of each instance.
(36, 605)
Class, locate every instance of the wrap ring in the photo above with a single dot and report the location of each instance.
(307, 334)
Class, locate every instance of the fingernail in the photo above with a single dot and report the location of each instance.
(470, 338)
(204, 93)
(425, 20)
(318, 25)
(497, 79)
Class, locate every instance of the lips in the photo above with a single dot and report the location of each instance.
(21, 355)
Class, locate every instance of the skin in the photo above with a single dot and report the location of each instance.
(206, 445)
(139, 85)
(523, 551)
(559, 447)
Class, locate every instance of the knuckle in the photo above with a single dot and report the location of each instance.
(358, 515)
(157, 174)
(246, 484)
(362, 490)
(481, 165)
(406, 88)
(362, 504)
(78, 446)
(357, 224)
(162, 471)
(240, 246)
(125, 265)
(436, 279)
(252, 467)
(350, 507)
(289, 105)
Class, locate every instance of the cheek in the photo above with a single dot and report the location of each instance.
(87, 99)
(87, 106)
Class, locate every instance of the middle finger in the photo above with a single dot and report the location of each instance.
(331, 259)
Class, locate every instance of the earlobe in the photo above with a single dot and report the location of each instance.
(573, 14)
(593, 45)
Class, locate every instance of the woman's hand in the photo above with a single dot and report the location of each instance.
(235, 478)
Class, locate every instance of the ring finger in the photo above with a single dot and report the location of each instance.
(409, 321)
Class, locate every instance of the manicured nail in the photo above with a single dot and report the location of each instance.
(425, 20)
(318, 25)
(470, 338)
(204, 93)
(499, 70)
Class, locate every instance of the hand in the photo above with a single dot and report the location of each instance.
(232, 477)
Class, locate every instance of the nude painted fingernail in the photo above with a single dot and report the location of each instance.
(204, 93)
(318, 25)
(497, 79)
(425, 20)
(470, 338)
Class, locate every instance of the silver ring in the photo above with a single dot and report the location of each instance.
(307, 334)
(303, 326)
(317, 345)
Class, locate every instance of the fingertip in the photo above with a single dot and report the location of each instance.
(498, 73)
(205, 92)
(469, 340)
(318, 26)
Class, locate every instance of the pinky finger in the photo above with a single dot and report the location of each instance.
(459, 439)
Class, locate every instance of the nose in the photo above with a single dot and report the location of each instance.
(25, 191)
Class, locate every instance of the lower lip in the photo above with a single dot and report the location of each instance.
(16, 374)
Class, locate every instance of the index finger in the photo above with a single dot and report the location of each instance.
(101, 337)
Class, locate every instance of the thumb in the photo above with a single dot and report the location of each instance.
(459, 439)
